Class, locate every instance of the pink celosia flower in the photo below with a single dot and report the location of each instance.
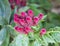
(17, 2)
(27, 29)
(16, 15)
(40, 16)
(43, 31)
(16, 18)
(30, 13)
(23, 2)
(19, 29)
(22, 22)
(36, 20)
(23, 14)
(28, 19)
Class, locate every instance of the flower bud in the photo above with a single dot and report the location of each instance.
(36, 20)
(27, 29)
(23, 14)
(40, 16)
(16, 15)
(28, 19)
(17, 2)
(22, 22)
(16, 20)
(43, 31)
(23, 2)
(30, 13)
(19, 29)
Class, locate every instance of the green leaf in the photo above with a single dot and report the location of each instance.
(4, 37)
(5, 10)
(12, 32)
(36, 28)
(12, 15)
(23, 9)
(31, 36)
(20, 40)
(56, 36)
(44, 17)
(55, 28)
(45, 4)
(34, 5)
(48, 39)
(3, 21)
(37, 43)
(36, 11)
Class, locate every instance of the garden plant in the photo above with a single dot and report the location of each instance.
(29, 23)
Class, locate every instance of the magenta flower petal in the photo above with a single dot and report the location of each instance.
(25, 21)
(28, 29)
(17, 2)
(19, 29)
(43, 31)
(29, 20)
(23, 14)
(16, 20)
(23, 2)
(40, 16)
(16, 15)
(22, 22)
(30, 13)
(36, 20)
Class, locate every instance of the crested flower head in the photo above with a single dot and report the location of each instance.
(19, 3)
(26, 21)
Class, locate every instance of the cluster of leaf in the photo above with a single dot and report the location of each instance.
(9, 37)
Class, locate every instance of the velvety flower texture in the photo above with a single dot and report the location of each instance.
(43, 31)
(19, 3)
(25, 20)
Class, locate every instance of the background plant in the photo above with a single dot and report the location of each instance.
(51, 21)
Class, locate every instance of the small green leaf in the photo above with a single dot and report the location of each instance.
(3, 21)
(23, 9)
(48, 38)
(12, 31)
(37, 43)
(20, 40)
(56, 36)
